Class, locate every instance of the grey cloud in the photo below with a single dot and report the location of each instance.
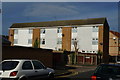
(41, 10)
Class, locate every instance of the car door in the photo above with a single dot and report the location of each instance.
(40, 70)
(27, 70)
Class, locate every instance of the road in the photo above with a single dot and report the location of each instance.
(81, 73)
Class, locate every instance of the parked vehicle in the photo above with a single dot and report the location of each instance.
(118, 59)
(107, 72)
(16, 69)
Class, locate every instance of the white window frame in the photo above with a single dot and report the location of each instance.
(74, 29)
(42, 41)
(42, 30)
(95, 29)
(59, 30)
(15, 41)
(29, 41)
(15, 31)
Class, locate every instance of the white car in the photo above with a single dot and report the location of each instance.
(16, 69)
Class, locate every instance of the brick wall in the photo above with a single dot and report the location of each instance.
(17, 52)
(46, 56)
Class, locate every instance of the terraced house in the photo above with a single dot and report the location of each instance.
(92, 35)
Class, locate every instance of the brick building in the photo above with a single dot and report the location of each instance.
(114, 44)
(92, 35)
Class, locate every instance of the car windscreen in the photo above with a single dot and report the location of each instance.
(108, 70)
(8, 65)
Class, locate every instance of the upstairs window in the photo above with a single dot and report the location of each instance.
(74, 29)
(15, 31)
(74, 40)
(59, 30)
(43, 31)
(95, 28)
(30, 31)
(95, 41)
(42, 41)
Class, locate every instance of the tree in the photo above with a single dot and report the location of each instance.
(74, 55)
(36, 43)
(99, 56)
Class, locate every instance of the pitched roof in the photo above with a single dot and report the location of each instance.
(115, 33)
(60, 23)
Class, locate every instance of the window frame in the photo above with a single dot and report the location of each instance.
(74, 29)
(59, 30)
(29, 41)
(42, 31)
(95, 29)
(42, 41)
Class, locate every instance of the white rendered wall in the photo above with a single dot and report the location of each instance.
(23, 36)
(50, 38)
(85, 38)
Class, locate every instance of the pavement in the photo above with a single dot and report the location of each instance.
(73, 70)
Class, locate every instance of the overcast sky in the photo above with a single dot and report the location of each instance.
(20, 12)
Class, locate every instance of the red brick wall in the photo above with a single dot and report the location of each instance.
(15, 52)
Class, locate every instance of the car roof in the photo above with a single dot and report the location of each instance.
(111, 64)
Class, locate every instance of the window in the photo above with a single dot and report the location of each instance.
(43, 31)
(30, 31)
(15, 41)
(74, 29)
(59, 30)
(29, 41)
(93, 38)
(95, 41)
(15, 31)
(73, 40)
(83, 51)
(59, 41)
(95, 28)
(38, 65)
(42, 41)
(9, 65)
(27, 65)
